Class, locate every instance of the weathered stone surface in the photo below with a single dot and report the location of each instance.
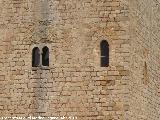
(74, 84)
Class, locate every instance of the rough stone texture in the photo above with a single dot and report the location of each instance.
(144, 84)
(74, 84)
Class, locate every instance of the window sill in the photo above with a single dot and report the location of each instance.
(41, 68)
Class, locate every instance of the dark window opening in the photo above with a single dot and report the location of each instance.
(35, 57)
(104, 53)
(45, 56)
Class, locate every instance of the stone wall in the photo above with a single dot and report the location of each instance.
(145, 62)
(74, 84)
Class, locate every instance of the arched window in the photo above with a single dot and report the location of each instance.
(35, 57)
(45, 56)
(104, 53)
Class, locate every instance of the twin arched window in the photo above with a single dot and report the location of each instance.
(104, 47)
(36, 56)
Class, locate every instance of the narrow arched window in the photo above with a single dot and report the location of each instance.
(45, 56)
(104, 53)
(35, 57)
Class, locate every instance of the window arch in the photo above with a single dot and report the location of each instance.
(45, 56)
(35, 57)
(104, 46)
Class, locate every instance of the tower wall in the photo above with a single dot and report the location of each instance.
(74, 84)
(145, 62)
